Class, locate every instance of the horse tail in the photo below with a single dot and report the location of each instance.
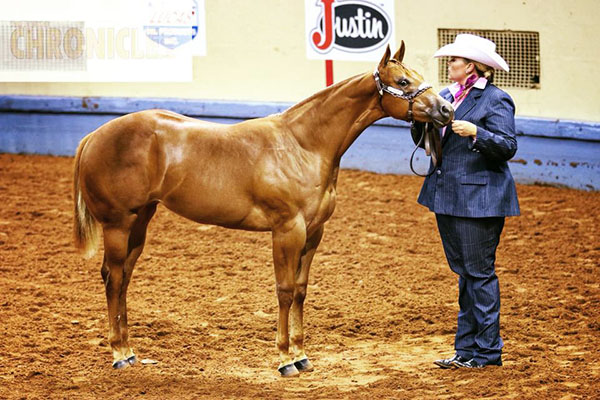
(85, 225)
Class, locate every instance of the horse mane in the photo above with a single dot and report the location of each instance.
(321, 93)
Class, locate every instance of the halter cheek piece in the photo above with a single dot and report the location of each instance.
(410, 97)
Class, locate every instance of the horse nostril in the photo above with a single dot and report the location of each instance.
(445, 110)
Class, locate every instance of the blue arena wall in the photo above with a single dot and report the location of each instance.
(551, 151)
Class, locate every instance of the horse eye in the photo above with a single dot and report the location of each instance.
(403, 82)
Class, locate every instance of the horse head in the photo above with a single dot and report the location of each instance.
(405, 95)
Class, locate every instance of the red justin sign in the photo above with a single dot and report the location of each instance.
(348, 29)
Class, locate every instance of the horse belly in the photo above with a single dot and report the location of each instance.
(216, 198)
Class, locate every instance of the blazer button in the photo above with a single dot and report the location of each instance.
(439, 172)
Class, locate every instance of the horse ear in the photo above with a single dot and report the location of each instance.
(386, 57)
(400, 53)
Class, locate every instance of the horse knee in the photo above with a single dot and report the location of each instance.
(285, 296)
(300, 294)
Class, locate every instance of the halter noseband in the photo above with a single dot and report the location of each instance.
(410, 97)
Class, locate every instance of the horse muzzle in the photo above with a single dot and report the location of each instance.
(442, 113)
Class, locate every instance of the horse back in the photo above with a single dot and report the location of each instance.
(230, 175)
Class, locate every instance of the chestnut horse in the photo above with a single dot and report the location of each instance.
(276, 174)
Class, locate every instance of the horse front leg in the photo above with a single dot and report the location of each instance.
(301, 361)
(288, 241)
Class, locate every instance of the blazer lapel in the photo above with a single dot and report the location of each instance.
(468, 103)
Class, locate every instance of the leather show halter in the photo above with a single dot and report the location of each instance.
(410, 97)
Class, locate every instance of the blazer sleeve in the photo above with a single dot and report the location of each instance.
(496, 139)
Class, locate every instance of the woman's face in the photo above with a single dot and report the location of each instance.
(459, 69)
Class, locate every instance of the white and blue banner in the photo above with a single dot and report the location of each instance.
(107, 41)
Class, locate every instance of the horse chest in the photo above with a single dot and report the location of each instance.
(325, 207)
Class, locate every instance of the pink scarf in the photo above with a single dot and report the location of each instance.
(464, 89)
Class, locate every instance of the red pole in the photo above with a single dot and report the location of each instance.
(329, 72)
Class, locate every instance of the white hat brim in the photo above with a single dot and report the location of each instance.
(491, 59)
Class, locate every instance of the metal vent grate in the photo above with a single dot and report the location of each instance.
(521, 50)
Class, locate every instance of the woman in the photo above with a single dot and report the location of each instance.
(471, 193)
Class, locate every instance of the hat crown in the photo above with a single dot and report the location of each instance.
(474, 48)
(475, 41)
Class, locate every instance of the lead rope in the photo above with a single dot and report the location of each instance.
(413, 155)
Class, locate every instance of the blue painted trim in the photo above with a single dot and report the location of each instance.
(557, 128)
(554, 152)
(528, 126)
(125, 105)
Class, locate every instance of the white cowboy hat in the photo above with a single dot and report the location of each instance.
(474, 48)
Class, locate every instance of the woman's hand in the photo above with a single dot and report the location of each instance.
(464, 128)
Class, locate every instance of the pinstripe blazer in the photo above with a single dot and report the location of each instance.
(474, 179)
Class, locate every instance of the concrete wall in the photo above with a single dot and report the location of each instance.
(256, 52)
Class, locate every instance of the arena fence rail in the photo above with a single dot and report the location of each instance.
(551, 151)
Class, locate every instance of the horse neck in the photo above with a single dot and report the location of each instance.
(331, 120)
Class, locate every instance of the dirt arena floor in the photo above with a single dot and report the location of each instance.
(381, 304)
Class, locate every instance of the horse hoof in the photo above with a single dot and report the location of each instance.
(303, 365)
(120, 364)
(287, 371)
(132, 360)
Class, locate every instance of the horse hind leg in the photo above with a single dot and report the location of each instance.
(113, 266)
(123, 245)
(135, 246)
